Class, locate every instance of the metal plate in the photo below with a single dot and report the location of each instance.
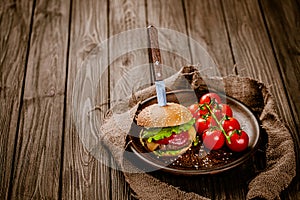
(211, 163)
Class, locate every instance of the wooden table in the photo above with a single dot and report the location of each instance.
(43, 44)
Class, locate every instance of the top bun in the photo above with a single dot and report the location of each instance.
(172, 114)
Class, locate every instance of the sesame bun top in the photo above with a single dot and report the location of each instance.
(172, 114)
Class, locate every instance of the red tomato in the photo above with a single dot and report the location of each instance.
(226, 110)
(210, 99)
(203, 109)
(175, 139)
(213, 139)
(218, 113)
(165, 140)
(239, 140)
(202, 124)
(193, 108)
(230, 123)
(221, 110)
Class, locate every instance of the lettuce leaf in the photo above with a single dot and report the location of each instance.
(161, 133)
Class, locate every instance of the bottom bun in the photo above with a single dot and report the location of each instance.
(172, 153)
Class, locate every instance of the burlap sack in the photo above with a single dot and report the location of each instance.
(281, 164)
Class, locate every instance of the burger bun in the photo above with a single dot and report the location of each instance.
(172, 114)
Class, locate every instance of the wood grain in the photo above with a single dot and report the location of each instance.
(37, 159)
(282, 20)
(283, 23)
(56, 83)
(15, 20)
(85, 173)
(128, 55)
(206, 24)
(253, 53)
(129, 68)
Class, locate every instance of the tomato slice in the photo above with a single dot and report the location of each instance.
(175, 139)
(165, 140)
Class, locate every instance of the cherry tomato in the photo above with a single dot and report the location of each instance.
(230, 123)
(193, 108)
(226, 110)
(202, 124)
(210, 99)
(221, 110)
(239, 140)
(218, 113)
(213, 139)
(203, 109)
(198, 110)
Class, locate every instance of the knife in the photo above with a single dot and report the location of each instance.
(155, 60)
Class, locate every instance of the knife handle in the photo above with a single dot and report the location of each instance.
(154, 52)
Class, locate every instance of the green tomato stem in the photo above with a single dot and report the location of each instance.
(219, 123)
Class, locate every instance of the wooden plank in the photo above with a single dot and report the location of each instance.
(168, 17)
(85, 173)
(206, 24)
(283, 24)
(282, 19)
(15, 20)
(127, 53)
(37, 160)
(129, 68)
(253, 52)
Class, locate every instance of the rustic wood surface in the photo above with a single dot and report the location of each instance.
(84, 173)
(16, 21)
(41, 117)
(46, 46)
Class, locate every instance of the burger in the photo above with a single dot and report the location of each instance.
(167, 130)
